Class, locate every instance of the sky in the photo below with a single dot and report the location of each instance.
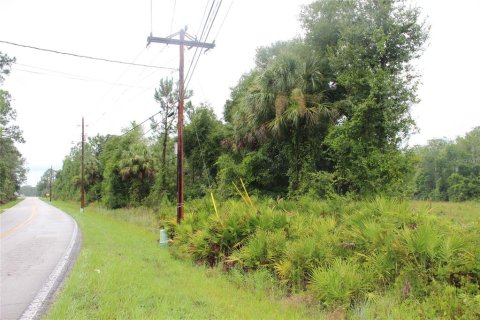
(52, 92)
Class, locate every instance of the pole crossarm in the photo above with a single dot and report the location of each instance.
(188, 43)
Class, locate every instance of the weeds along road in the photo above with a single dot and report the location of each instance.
(37, 246)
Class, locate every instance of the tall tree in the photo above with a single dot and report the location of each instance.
(43, 185)
(203, 139)
(369, 46)
(12, 165)
(136, 168)
(167, 97)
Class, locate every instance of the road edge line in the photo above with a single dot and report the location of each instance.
(38, 302)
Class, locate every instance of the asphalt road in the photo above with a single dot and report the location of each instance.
(37, 245)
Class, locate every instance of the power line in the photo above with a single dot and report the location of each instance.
(224, 18)
(214, 18)
(84, 56)
(111, 87)
(195, 62)
(203, 17)
(64, 75)
(117, 99)
(201, 35)
(141, 123)
(206, 20)
(113, 104)
(173, 15)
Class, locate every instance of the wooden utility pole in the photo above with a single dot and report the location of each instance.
(51, 177)
(82, 182)
(182, 43)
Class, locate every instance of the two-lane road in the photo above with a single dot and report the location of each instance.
(37, 243)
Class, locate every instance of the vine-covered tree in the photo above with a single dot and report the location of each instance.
(368, 47)
(203, 139)
(335, 105)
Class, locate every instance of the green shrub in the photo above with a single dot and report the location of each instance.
(365, 256)
(340, 283)
(263, 249)
(300, 257)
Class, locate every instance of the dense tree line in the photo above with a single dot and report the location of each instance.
(449, 170)
(28, 191)
(324, 114)
(12, 164)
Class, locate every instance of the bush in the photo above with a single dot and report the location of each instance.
(340, 283)
(344, 253)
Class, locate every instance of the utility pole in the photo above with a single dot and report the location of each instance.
(189, 43)
(51, 177)
(82, 182)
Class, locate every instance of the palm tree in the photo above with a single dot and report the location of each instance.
(288, 100)
(136, 166)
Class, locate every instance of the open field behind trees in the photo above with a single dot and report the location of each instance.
(337, 258)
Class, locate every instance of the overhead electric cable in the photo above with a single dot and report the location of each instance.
(173, 15)
(107, 92)
(224, 18)
(196, 58)
(85, 57)
(206, 20)
(201, 37)
(64, 75)
(214, 18)
(203, 17)
(138, 125)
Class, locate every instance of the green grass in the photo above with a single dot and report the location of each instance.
(458, 212)
(10, 204)
(121, 273)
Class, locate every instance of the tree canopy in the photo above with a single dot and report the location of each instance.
(325, 114)
(12, 164)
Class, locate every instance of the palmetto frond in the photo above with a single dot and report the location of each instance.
(136, 162)
(277, 124)
(287, 94)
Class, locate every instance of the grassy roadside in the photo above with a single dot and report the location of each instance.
(121, 273)
(10, 204)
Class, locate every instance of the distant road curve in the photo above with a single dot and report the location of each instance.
(38, 244)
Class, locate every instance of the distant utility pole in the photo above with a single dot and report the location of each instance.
(82, 182)
(189, 43)
(51, 177)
